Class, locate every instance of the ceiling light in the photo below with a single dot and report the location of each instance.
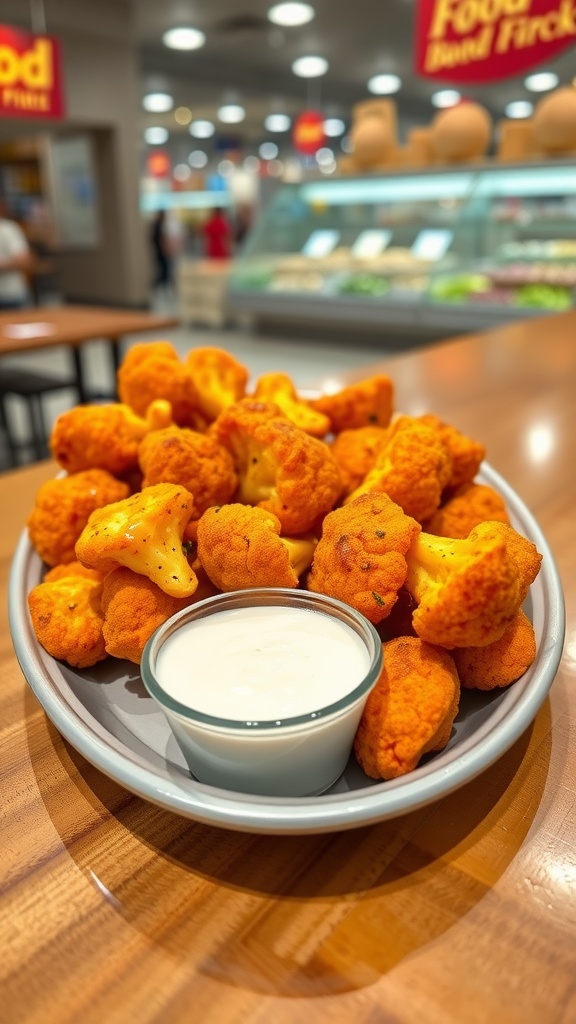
(334, 126)
(231, 113)
(519, 108)
(268, 150)
(183, 115)
(310, 67)
(252, 164)
(181, 172)
(541, 81)
(202, 129)
(197, 158)
(324, 157)
(155, 136)
(383, 85)
(445, 98)
(225, 167)
(184, 38)
(291, 14)
(277, 123)
(158, 102)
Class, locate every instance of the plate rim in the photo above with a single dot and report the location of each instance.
(334, 812)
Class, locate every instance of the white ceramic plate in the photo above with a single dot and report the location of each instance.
(106, 714)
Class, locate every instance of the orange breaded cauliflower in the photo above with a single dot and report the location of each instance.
(62, 509)
(199, 463)
(468, 591)
(279, 388)
(219, 379)
(412, 466)
(355, 452)
(152, 370)
(240, 547)
(369, 402)
(104, 436)
(468, 506)
(144, 533)
(133, 608)
(466, 454)
(360, 557)
(68, 569)
(281, 468)
(67, 619)
(410, 711)
(500, 663)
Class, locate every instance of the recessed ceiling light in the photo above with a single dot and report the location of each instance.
(252, 164)
(231, 113)
(183, 115)
(277, 123)
(519, 108)
(383, 85)
(157, 102)
(310, 67)
(445, 98)
(155, 136)
(225, 167)
(541, 81)
(181, 172)
(334, 126)
(291, 14)
(184, 38)
(324, 157)
(268, 150)
(202, 129)
(197, 158)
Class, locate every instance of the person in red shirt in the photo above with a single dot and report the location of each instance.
(217, 236)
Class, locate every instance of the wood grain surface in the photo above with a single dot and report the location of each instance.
(72, 325)
(113, 910)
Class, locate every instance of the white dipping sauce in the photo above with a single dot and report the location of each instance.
(264, 663)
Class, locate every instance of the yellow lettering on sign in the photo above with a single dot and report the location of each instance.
(33, 69)
(464, 16)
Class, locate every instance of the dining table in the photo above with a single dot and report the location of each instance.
(114, 909)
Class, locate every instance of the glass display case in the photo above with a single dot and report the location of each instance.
(443, 249)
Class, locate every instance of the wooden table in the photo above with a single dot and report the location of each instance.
(461, 913)
(49, 326)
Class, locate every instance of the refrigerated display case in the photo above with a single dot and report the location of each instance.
(439, 249)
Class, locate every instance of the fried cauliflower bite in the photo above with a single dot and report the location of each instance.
(468, 591)
(104, 436)
(154, 370)
(410, 711)
(360, 557)
(466, 454)
(279, 388)
(195, 461)
(355, 452)
(133, 607)
(62, 509)
(469, 505)
(413, 467)
(369, 402)
(62, 572)
(281, 468)
(67, 619)
(240, 547)
(500, 663)
(219, 379)
(144, 533)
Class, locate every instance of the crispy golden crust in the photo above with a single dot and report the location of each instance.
(368, 403)
(133, 608)
(355, 452)
(279, 388)
(466, 453)
(153, 370)
(500, 663)
(219, 379)
(469, 505)
(67, 619)
(195, 461)
(104, 436)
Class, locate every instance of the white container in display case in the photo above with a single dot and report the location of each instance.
(444, 249)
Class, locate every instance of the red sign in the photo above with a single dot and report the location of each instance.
(30, 75)
(465, 41)
(158, 164)
(308, 132)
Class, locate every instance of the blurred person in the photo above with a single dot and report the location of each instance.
(15, 262)
(217, 233)
(242, 224)
(161, 250)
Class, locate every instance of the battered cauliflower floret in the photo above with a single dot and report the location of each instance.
(144, 533)
(355, 452)
(104, 436)
(410, 711)
(281, 468)
(62, 509)
(500, 663)
(469, 505)
(466, 454)
(360, 557)
(154, 370)
(67, 619)
(62, 572)
(369, 402)
(413, 467)
(194, 461)
(133, 608)
(219, 379)
(241, 547)
(468, 591)
(279, 388)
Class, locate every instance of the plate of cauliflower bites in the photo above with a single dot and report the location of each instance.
(197, 482)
